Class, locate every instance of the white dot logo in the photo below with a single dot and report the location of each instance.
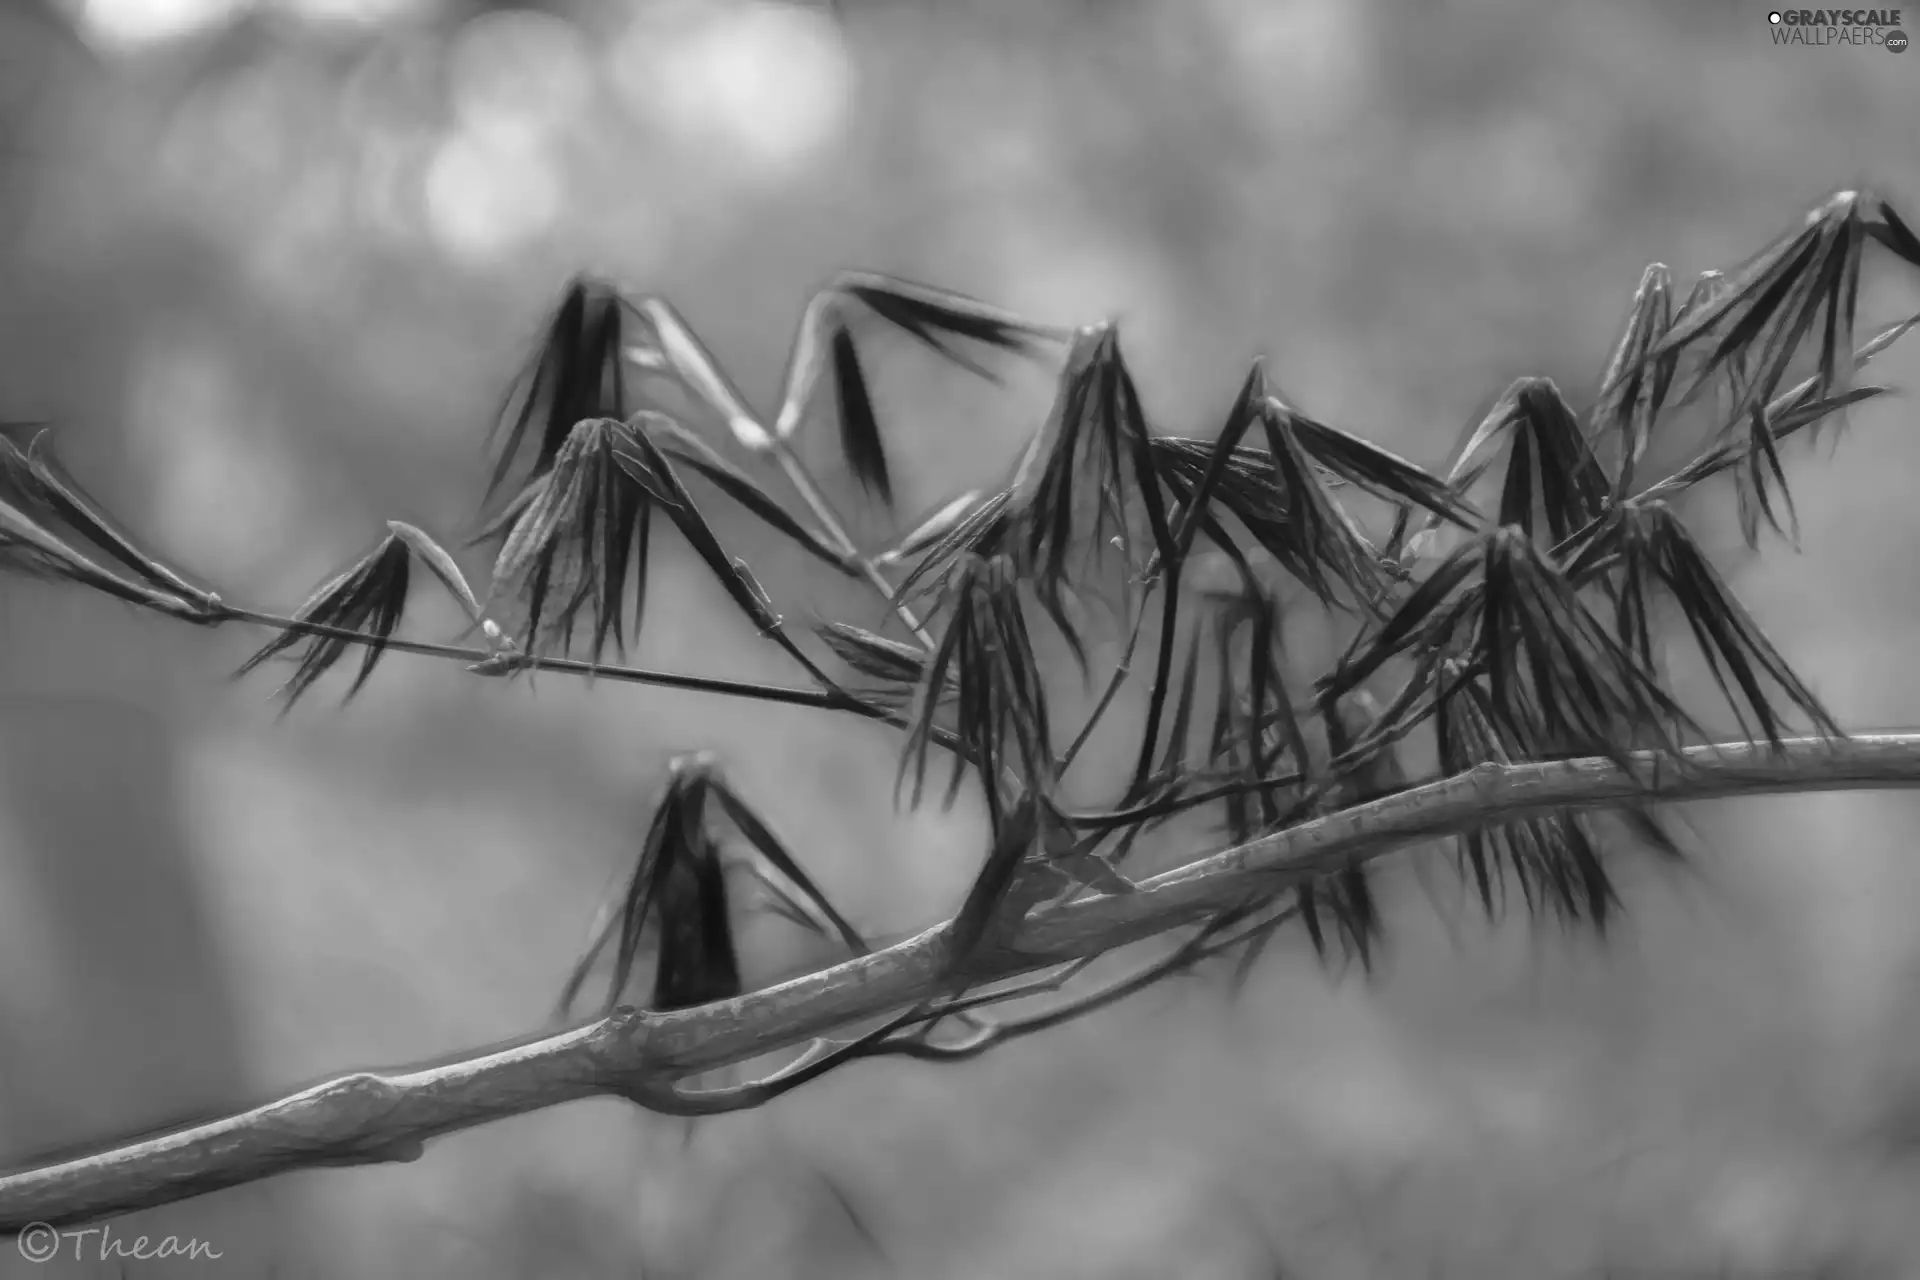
(1774, 17)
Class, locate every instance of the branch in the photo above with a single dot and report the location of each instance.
(368, 1117)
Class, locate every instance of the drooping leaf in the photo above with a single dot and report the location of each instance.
(1553, 858)
(1554, 484)
(1000, 707)
(936, 316)
(439, 563)
(860, 440)
(1383, 474)
(678, 889)
(368, 597)
(31, 549)
(683, 445)
(1553, 672)
(38, 484)
(1194, 497)
(1634, 388)
(1317, 542)
(574, 375)
(1780, 426)
(1425, 618)
(1748, 336)
(1098, 469)
(583, 534)
(1654, 551)
(1891, 230)
(641, 458)
(874, 655)
(775, 855)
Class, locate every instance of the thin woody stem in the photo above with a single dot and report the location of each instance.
(504, 662)
(373, 1117)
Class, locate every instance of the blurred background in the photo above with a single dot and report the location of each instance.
(269, 264)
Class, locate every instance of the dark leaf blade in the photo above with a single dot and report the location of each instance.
(1015, 840)
(1733, 644)
(1380, 472)
(682, 445)
(1891, 230)
(1313, 540)
(860, 441)
(636, 453)
(1424, 616)
(698, 961)
(628, 914)
(575, 374)
(761, 837)
(367, 598)
(38, 480)
(584, 530)
(1634, 388)
(1242, 417)
(933, 316)
(29, 548)
(1780, 426)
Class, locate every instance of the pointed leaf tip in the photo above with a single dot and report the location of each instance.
(367, 599)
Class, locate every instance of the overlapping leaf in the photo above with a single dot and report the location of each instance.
(582, 533)
(682, 445)
(1635, 386)
(897, 668)
(1554, 484)
(678, 889)
(575, 375)
(1650, 555)
(1553, 858)
(47, 496)
(1000, 708)
(936, 317)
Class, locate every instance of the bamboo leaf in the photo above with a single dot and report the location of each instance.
(874, 655)
(584, 533)
(923, 536)
(933, 316)
(1634, 388)
(697, 371)
(440, 564)
(27, 547)
(574, 375)
(684, 446)
(860, 440)
(38, 483)
(820, 909)
(367, 597)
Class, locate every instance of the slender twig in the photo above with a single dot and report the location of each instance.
(371, 1117)
(505, 662)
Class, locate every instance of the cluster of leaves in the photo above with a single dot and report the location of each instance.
(1521, 632)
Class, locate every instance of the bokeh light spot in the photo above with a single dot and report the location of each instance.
(131, 24)
(518, 72)
(768, 84)
(487, 195)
